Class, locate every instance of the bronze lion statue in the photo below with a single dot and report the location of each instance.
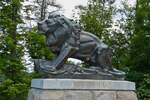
(67, 40)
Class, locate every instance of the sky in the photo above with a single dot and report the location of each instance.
(68, 5)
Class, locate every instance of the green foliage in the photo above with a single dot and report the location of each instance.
(13, 91)
(9, 16)
(96, 17)
(37, 47)
(121, 39)
(139, 55)
(143, 89)
(14, 80)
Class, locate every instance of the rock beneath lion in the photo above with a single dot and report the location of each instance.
(76, 72)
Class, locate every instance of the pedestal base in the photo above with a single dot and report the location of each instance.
(77, 89)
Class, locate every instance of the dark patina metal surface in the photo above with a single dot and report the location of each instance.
(66, 39)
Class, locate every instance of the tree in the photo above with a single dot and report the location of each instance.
(44, 5)
(14, 78)
(35, 42)
(121, 34)
(139, 55)
(96, 17)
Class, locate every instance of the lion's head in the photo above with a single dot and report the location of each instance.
(50, 24)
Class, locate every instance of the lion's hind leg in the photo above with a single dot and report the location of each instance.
(104, 60)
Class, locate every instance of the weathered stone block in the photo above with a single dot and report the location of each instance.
(74, 89)
(78, 95)
(126, 95)
(82, 84)
(104, 95)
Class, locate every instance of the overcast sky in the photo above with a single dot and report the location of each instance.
(68, 5)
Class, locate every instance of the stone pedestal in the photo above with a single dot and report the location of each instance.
(80, 89)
